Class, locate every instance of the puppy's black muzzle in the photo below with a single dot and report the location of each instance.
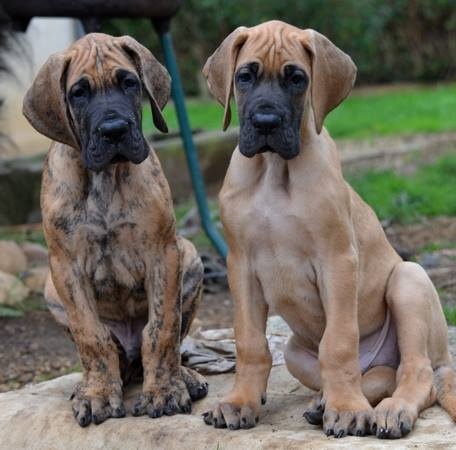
(268, 127)
(111, 131)
(115, 137)
(270, 113)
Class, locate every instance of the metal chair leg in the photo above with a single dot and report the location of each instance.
(191, 154)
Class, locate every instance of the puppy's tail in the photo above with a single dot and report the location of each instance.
(445, 384)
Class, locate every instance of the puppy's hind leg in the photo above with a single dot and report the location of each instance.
(54, 303)
(192, 284)
(416, 310)
(445, 383)
(192, 287)
(376, 384)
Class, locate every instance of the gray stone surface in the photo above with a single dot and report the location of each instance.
(12, 290)
(12, 258)
(39, 418)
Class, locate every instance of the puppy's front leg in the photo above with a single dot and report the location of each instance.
(240, 408)
(99, 396)
(346, 408)
(164, 390)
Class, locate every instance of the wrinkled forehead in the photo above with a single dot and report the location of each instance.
(98, 60)
(273, 48)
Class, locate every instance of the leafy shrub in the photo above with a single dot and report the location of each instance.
(390, 40)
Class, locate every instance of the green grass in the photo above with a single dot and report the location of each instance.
(436, 246)
(419, 109)
(15, 234)
(450, 314)
(203, 114)
(34, 302)
(425, 109)
(200, 240)
(429, 192)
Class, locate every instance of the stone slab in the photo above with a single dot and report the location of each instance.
(39, 417)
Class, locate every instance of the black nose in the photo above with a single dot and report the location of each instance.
(113, 129)
(265, 123)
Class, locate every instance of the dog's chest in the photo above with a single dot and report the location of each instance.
(275, 239)
(113, 245)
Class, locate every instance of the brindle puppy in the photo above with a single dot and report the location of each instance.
(122, 281)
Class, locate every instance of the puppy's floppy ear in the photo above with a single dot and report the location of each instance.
(219, 70)
(45, 105)
(333, 74)
(154, 77)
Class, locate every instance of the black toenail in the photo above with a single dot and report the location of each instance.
(84, 421)
(404, 429)
(340, 434)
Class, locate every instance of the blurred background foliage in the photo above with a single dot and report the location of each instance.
(391, 40)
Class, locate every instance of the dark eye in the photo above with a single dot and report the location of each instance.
(129, 82)
(298, 78)
(80, 90)
(245, 77)
(295, 76)
(247, 74)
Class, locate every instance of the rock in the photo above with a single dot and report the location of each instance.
(12, 290)
(430, 260)
(12, 258)
(35, 278)
(37, 255)
(44, 411)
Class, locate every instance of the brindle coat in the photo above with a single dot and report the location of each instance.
(121, 280)
(303, 243)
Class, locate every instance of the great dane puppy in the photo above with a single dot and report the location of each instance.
(121, 280)
(368, 328)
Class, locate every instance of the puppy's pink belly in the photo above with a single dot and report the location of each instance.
(129, 334)
(378, 349)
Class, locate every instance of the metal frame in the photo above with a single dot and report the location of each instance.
(191, 153)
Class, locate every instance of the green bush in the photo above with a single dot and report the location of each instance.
(429, 192)
(406, 40)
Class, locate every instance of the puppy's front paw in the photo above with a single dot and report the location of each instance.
(233, 414)
(394, 418)
(349, 417)
(172, 398)
(96, 407)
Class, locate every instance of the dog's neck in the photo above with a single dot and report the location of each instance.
(315, 155)
(101, 186)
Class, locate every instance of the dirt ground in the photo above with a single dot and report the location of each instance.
(35, 348)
